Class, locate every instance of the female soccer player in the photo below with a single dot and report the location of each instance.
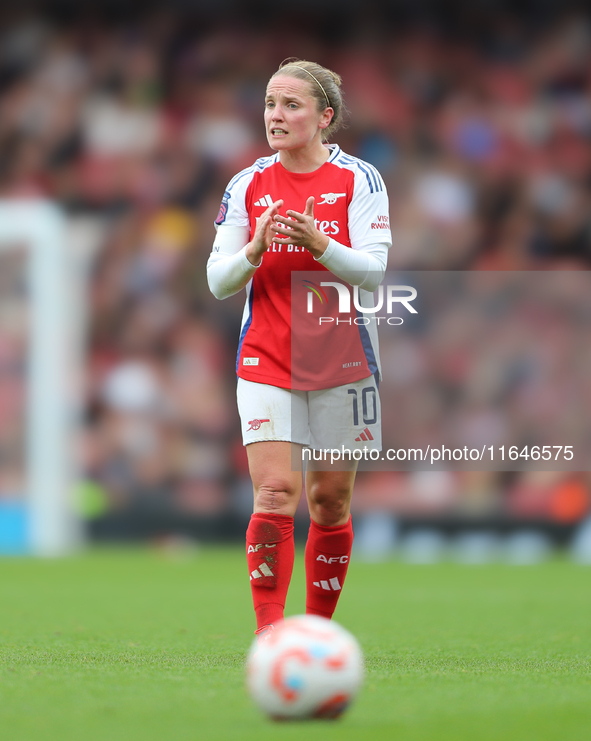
(308, 207)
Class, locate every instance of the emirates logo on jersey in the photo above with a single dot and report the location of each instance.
(327, 227)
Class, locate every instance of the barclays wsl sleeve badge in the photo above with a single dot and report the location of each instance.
(222, 213)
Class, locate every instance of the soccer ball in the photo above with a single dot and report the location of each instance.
(307, 667)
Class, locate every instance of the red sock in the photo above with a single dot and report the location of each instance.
(269, 554)
(328, 551)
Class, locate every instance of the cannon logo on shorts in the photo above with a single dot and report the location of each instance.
(255, 424)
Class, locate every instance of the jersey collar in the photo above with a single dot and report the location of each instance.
(335, 150)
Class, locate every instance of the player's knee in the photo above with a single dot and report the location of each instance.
(276, 497)
(329, 507)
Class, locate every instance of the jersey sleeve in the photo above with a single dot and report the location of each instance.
(369, 219)
(233, 211)
(364, 267)
(228, 268)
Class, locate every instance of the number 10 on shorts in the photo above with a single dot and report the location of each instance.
(369, 406)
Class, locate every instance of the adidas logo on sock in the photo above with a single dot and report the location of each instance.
(332, 585)
(265, 201)
(262, 570)
(365, 436)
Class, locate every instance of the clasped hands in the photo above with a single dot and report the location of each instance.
(295, 228)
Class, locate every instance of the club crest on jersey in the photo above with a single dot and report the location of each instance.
(330, 198)
(222, 213)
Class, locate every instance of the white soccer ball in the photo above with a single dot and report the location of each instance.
(307, 667)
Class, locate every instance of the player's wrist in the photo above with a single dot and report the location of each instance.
(318, 248)
(253, 255)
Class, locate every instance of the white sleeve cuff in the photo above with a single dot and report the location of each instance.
(364, 267)
(228, 274)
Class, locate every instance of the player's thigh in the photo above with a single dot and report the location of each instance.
(271, 413)
(276, 473)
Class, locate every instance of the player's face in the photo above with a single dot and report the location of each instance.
(292, 118)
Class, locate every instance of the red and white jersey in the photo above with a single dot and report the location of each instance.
(351, 207)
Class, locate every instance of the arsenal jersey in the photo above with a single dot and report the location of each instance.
(295, 333)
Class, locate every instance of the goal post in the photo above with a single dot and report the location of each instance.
(52, 372)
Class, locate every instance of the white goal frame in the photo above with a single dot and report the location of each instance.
(53, 372)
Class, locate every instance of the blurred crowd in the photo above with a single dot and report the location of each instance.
(136, 125)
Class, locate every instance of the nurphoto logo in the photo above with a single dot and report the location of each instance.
(396, 296)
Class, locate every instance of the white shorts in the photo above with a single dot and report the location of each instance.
(348, 415)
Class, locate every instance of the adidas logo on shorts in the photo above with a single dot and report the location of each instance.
(365, 436)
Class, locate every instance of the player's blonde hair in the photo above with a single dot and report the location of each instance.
(325, 87)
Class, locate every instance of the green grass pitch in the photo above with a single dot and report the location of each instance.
(146, 645)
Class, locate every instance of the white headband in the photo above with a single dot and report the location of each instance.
(312, 76)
